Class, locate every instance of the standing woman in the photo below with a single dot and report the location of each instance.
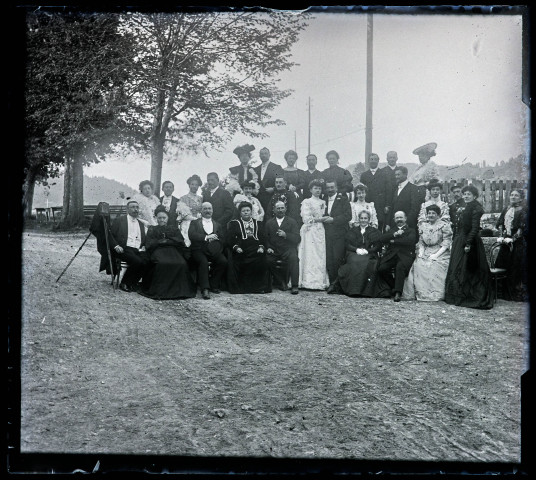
(468, 281)
(512, 254)
(294, 177)
(426, 279)
(248, 268)
(192, 200)
(312, 248)
(147, 202)
(168, 276)
(359, 204)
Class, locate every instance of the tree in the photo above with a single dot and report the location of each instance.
(200, 78)
(76, 70)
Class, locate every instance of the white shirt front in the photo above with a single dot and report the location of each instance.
(208, 226)
(401, 186)
(166, 201)
(134, 233)
(279, 220)
(264, 167)
(362, 230)
(330, 203)
(212, 191)
(373, 171)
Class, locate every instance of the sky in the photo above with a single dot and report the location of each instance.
(450, 79)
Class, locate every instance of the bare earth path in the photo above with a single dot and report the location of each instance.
(271, 375)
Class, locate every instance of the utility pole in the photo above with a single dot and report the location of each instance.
(309, 139)
(368, 121)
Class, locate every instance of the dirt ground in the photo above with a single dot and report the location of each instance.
(274, 375)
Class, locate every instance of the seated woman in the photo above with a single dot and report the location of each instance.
(434, 188)
(257, 210)
(358, 275)
(248, 269)
(359, 204)
(426, 279)
(513, 251)
(168, 276)
(468, 281)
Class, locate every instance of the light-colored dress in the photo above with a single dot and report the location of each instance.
(194, 202)
(312, 248)
(147, 207)
(358, 207)
(423, 174)
(188, 209)
(257, 211)
(426, 279)
(444, 215)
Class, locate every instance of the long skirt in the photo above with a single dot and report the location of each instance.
(514, 260)
(468, 281)
(247, 272)
(357, 277)
(168, 276)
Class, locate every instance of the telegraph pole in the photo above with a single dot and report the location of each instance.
(309, 139)
(368, 121)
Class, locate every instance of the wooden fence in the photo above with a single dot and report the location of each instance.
(494, 194)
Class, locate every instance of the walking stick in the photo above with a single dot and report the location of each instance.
(65, 269)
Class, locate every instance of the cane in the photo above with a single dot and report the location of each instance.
(65, 269)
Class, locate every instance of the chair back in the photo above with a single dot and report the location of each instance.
(494, 253)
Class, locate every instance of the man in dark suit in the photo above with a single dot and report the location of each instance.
(310, 174)
(389, 173)
(336, 217)
(220, 199)
(405, 198)
(282, 238)
(207, 237)
(127, 242)
(458, 202)
(170, 202)
(288, 198)
(399, 255)
(266, 173)
(379, 189)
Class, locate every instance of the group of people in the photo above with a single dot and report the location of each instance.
(273, 226)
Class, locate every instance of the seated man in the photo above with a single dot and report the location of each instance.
(127, 242)
(282, 238)
(207, 237)
(400, 254)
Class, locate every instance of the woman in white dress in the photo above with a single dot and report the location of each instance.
(147, 202)
(359, 204)
(434, 188)
(312, 248)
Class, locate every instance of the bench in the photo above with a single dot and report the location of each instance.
(115, 210)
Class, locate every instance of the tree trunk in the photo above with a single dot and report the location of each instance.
(28, 192)
(73, 194)
(157, 159)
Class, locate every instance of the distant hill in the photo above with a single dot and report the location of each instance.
(514, 169)
(96, 189)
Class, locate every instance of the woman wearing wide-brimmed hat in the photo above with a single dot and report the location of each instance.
(426, 171)
(244, 172)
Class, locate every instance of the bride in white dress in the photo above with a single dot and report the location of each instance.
(312, 248)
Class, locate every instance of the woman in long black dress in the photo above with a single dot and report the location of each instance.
(512, 254)
(248, 269)
(168, 276)
(358, 275)
(468, 281)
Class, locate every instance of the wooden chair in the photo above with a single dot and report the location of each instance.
(120, 268)
(496, 273)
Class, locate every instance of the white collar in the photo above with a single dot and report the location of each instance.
(206, 220)
(265, 165)
(402, 185)
(332, 197)
(374, 170)
(392, 168)
(131, 218)
(212, 191)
